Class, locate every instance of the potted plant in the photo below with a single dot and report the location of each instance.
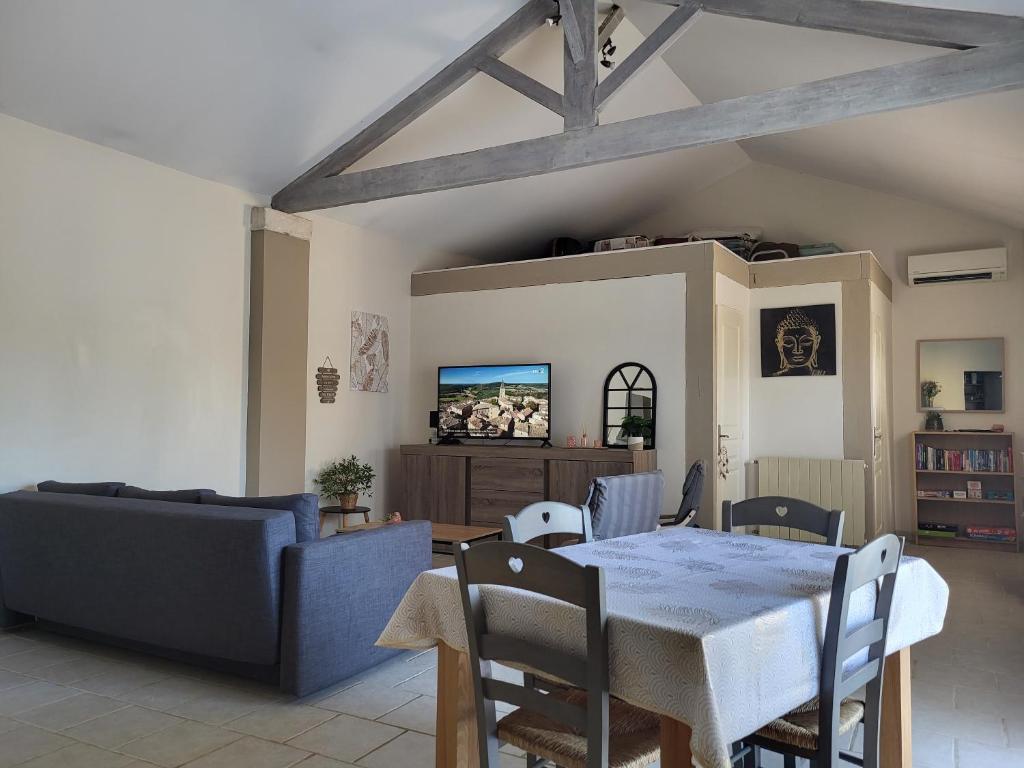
(345, 480)
(929, 389)
(636, 429)
(933, 422)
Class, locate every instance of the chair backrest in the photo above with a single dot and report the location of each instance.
(544, 572)
(693, 490)
(622, 505)
(786, 512)
(547, 517)
(852, 660)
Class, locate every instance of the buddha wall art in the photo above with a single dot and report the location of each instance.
(798, 341)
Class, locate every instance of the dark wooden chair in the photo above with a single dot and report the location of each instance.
(693, 490)
(545, 518)
(785, 512)
(850, 661)
(578, 726)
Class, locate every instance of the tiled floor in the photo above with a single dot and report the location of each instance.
(69, 704)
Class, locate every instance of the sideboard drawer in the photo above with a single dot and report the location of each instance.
(498, 474)
(490, 507)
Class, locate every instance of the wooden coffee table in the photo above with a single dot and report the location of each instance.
(445, 536)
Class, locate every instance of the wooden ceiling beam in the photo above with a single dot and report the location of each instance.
(609, 25)
(656, 43)
(939, 27)
(911, 84)
(580, 75)
(521, 82)
(502, 38)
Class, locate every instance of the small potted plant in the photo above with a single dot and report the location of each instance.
(933, 422)
(636, 429)
(344, 480)
(929, 389)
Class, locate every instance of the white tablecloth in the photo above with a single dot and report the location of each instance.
(721, 631)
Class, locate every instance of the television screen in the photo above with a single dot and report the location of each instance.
(497, 401)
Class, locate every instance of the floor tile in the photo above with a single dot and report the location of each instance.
(280, 722)
(10, 644)
(248, 752)
(37, 658)
(69, 672)
(32, 695)
(368, 701)
(67, 713)
(219, 705)
(179, 744)
(10, 679)
(410, 750)
(932, 749)
(346, 738)
(80, 756)
(168, 694)
(319, 761)
(122, 680)
(424, 683)
(26, 742)
(7, 724)
(971, 754)
(418, 715)
(122, 726)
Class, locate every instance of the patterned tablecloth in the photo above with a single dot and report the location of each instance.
(721, 631)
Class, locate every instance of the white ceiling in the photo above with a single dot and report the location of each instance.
(251, 92)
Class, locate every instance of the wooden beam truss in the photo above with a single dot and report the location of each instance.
(988, 57)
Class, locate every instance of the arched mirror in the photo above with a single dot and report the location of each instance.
(630, 400)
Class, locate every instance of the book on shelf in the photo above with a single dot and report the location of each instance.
(942, 530)
(936, 534)
(991, 533)
(934, 493)
(964, 460)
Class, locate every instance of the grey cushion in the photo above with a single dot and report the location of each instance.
(304, 506)
(187, 577)
(190, 496)
(89, 489)
(622, 505)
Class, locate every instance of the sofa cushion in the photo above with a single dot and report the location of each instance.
(87, 489)
(190, 496)
(304, 506)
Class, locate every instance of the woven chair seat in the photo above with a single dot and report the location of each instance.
(633, 735)
(799, 728)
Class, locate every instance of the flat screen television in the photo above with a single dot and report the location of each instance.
(507, 402)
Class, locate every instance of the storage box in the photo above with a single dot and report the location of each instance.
(959, 494)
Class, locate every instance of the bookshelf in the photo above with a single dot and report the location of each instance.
(944, 463)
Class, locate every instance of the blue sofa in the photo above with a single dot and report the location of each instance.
(224, 586)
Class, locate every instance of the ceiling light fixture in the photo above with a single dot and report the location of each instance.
(607, 51)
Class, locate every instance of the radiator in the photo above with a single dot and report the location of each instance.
(829, 483)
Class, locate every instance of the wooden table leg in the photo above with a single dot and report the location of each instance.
(456, 743)
(366, 517)
(675, 744)
(895, 746)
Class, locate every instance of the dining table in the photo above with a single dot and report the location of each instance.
(717, 633)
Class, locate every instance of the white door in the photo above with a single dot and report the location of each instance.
(731, 398)
(881, 456)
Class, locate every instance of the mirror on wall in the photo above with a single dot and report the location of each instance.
(960, 375)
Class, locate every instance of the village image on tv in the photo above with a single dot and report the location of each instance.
(495, 401)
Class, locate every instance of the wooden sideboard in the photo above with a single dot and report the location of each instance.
(480, 484)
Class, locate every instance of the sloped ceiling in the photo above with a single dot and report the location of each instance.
(252, 92)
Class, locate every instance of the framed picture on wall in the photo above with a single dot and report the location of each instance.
(798, 341)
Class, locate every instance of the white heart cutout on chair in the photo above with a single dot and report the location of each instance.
(781, 511)
(515, 565)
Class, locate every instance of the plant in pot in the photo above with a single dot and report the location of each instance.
(345, 480)
(933, 422)
(636, 429)
(929, 389)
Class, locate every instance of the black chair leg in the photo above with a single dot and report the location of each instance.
(753, 758)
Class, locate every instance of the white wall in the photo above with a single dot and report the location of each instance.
(800, 208)
(351, 269)
(795, 415)
(584, 330)
(122, 317)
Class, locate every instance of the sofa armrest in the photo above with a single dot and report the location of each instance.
(339, 594)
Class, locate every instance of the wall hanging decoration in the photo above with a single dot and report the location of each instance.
(630, 402)
(327, 380)
(799, 341)
(371, 356)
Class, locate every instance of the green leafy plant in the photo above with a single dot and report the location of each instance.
(341, 478)
(929, 389)
(636, 426)
(933, 422)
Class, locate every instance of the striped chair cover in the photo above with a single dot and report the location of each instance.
(625, 504)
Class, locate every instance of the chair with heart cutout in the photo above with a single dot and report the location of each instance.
(547, 518)
(787, 513)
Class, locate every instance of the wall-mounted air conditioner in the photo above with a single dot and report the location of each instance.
(960, 267)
